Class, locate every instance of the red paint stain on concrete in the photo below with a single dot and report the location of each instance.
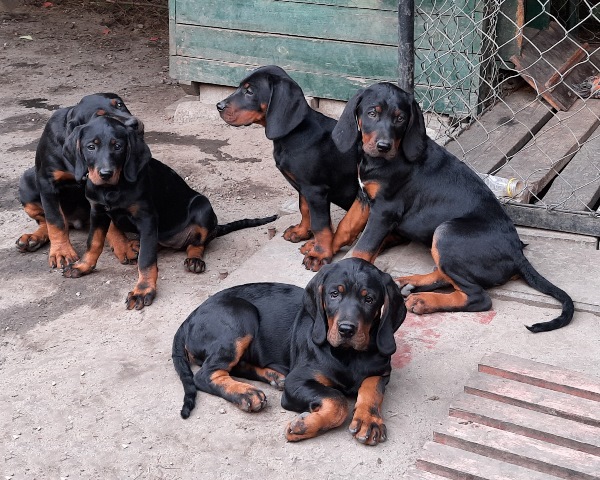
(423, 331)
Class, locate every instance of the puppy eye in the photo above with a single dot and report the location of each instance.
(369, 299)
(249, 91)
(399, 119)
(120, 105)
(91, 146)
(334, 294)
(372, 114)
(118, 146)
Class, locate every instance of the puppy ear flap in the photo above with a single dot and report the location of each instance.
(72, 152)
(287, 107)
(138, 152)
(415, 136)
(346, 131)
(393, 313)
(313, 304)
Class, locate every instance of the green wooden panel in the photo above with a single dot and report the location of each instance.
(305, 54)
(390, 5)
(291, 18)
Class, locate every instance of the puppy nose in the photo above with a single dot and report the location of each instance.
(347, 330)
(105, 174)
(221, 106)
(384, 146)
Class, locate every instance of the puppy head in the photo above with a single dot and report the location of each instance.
(106, 147)
(355, 305)
(94, 105)
(386, 120)
(269, 97)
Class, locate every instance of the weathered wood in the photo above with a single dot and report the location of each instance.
(539, 217)
(509, 28)
(501, 132)
(552, 148)
(528, 423)
(577, 187)
(535, 398)
(523, 451)
(457, 464)
(543, 53)
(541, 375)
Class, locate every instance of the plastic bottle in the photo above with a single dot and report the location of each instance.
(503, 187)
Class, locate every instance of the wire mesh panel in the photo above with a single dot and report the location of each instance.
(512, 87)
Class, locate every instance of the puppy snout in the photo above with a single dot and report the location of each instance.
(384, 146)
(105, 173)
(221, 106)
(347, 330)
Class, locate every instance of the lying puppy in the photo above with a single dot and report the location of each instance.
(141, 195)
(54, 196)
(333, 339)
(420, 191)
(304, 153)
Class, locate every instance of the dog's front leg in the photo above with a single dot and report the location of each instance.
(99, 223)
(371, 241)
(367, 423)
(145, 289)
(322, 407)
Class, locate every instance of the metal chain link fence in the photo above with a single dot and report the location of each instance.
(512, 88)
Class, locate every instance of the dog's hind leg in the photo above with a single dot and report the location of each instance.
(214, 377)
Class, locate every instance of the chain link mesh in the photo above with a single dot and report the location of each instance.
(473, 61)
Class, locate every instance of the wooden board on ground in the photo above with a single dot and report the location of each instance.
(577, 187)
(518, 419)
(550, 61)
(552, 148)
(502, 131)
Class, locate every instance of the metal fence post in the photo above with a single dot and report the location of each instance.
(406, 45)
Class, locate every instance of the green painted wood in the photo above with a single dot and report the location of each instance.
(390, 5)
(507, 30)
(291, 18)
(172, 26)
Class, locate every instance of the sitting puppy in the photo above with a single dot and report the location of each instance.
(304, 153)
(141, 195)
(54, 196)
(333, 339)
(420, 191)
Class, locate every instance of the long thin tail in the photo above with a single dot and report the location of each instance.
(245, 223)
(535, 280)
(182, 366)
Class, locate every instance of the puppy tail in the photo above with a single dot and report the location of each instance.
(535, 280)
(182, 367)
(245, 223)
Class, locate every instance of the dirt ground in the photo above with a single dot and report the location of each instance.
(88, 387)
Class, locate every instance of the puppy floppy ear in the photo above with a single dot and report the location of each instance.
(346, 132)
(415, 136)
(313, 304)
(391, 317)
(138, 152)
(287, 107)
(73, 153)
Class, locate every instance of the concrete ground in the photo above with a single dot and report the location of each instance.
(438, 352)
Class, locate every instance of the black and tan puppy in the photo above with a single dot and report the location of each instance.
(54, 196)
(420, 191)
(140, 195)
(333, 339)
(304, 153)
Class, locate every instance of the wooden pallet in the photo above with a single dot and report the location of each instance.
(518, 419)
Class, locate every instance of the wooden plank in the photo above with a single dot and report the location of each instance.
(391, 5)
(415, 474)
(518, 450)
(552, 148)
(555, 430)
(543, 54)
(577, 187)
(535, 398)
(290, 18)
(457, 464)
(541, 375)
(540, 217)
(502, 131)
(509, 36)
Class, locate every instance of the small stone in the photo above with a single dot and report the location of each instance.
(222, 410)
(78, 294)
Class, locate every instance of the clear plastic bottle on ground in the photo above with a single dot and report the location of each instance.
(503, 187)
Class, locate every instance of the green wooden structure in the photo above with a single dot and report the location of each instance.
(332, 47)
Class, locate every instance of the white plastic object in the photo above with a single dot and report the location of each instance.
(503, 187)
